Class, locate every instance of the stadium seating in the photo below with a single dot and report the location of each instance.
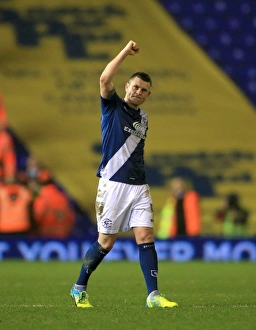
(226, 30)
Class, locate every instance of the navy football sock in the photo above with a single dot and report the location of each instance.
(149, 265)
(92, 259)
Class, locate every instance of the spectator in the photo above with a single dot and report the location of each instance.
(15, 209)
(3, 113)
(52, 212)
(32, 167)
(181, 214)
(7, 151)
(32, 171)
(233, 216)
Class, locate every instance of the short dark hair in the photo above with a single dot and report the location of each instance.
(143, 76)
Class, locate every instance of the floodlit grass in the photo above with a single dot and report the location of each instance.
(210, 296)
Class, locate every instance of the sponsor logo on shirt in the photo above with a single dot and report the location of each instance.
(139, 130)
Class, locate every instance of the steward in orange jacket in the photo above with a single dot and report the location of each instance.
(15, 209)
(7, 151)
(7, 157)
(181, 215)
(52, 211)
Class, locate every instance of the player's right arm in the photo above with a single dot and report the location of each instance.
(107, 87)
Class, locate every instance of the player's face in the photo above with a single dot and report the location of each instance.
(137, 90)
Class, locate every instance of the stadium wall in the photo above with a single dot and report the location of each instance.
(200, 124)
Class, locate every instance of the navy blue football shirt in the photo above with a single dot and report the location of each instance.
(123, 138)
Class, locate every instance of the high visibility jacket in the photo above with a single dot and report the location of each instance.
(166, 219)
(14, 208)
(53, 213)
(192, 214)
(235, 221)
(3, 113)
(7, 156)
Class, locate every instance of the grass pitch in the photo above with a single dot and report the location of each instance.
(35, 295)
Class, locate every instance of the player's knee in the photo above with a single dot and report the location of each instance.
(107, 245)
(144, 235)
(146, 239)
(107, 241)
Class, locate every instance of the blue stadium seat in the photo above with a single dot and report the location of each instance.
(226, 31)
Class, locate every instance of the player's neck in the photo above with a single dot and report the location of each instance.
(131, 105)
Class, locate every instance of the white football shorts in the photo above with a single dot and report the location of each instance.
(120, 207)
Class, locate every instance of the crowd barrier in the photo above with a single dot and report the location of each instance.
(208, 249)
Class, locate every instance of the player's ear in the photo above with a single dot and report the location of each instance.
(126, 86)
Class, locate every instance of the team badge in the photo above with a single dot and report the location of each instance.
(106, 223)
